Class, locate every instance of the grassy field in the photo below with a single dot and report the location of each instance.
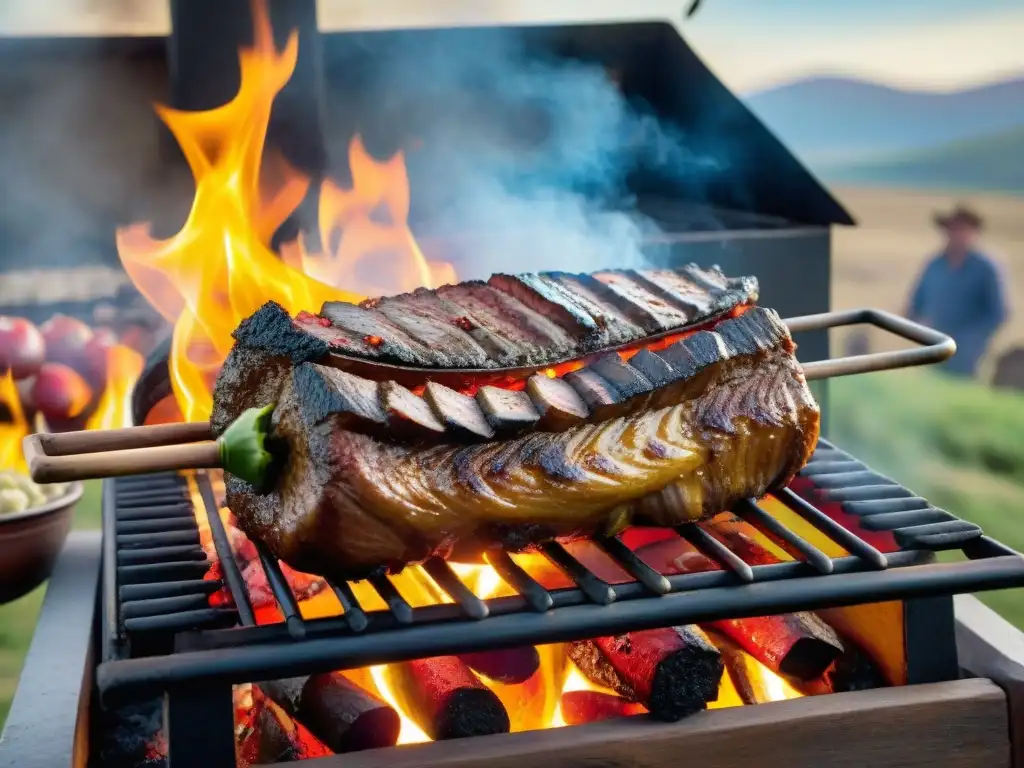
(957, 444)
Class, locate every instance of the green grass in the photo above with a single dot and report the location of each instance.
(18, 619)
(959, 444)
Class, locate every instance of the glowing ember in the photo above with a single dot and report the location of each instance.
(219, 268)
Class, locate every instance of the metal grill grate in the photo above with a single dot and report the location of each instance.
(160, 588)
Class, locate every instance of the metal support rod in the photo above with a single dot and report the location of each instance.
(929, 632)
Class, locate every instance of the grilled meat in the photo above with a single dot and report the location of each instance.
(379, 477)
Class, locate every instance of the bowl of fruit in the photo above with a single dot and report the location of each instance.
(34, 521)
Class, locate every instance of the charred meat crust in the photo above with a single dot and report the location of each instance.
(531, 319)
(353, 501)
(608, 387)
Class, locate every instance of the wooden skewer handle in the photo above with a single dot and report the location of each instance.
(102, 441)
(117, 453)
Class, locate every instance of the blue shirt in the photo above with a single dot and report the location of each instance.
(964, 301)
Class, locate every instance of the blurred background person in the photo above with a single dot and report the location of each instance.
(960, 292)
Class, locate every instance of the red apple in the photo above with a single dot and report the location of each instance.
(94, 362)
(66, 339)
(22, 347)
(60, 393)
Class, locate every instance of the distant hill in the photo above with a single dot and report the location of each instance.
(834, 119)
(994, 162)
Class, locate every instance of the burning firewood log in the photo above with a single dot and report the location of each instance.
(510, 666)
(267, 734)
(743, 670)
(341, 714)
(673, 672)
(853, 671)
(799, 645)
(445, 699)
(581, 707)
(532, 703)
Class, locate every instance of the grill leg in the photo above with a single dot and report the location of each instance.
(200, 722)
(929, 631)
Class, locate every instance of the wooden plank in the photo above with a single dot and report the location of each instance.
(961, 723)
(989, 646)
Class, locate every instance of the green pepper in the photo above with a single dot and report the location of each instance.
(243, 447)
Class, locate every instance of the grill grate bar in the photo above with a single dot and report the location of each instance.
(156, 525)
(768, 525)
(146, 573)
(597, 590)
(157, 511)
(144, 499)
(716, 550)
(893, 520)
(442, 573)
(130, 592)
(228, 564)
(203, 618)
(634, 566)
(160, 555)
(162, 539)
(839, 534)
(282, 592)
(163, 606)
(397, 604)
(352, 611)
(538, 598)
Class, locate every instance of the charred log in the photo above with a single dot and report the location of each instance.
(853, 671)
(511, 666)
(341, 714)
(446, 700)
(673, 672)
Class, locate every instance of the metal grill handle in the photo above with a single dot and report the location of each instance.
(935, 347)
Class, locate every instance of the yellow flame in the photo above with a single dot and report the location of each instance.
(219, 268)
(410, 733)
(114, 410)
(14, 431)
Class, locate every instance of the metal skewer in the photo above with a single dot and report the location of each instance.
(138, 450)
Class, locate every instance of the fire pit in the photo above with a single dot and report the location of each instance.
(811, 626)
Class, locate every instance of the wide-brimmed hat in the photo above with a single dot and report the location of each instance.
(961, 214)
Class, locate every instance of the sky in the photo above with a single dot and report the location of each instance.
(925, 44)
(751, 44)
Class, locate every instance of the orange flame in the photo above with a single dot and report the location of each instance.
(114, 410)
(219, 268)
(14, 430)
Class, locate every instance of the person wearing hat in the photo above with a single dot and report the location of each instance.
(960, 291)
